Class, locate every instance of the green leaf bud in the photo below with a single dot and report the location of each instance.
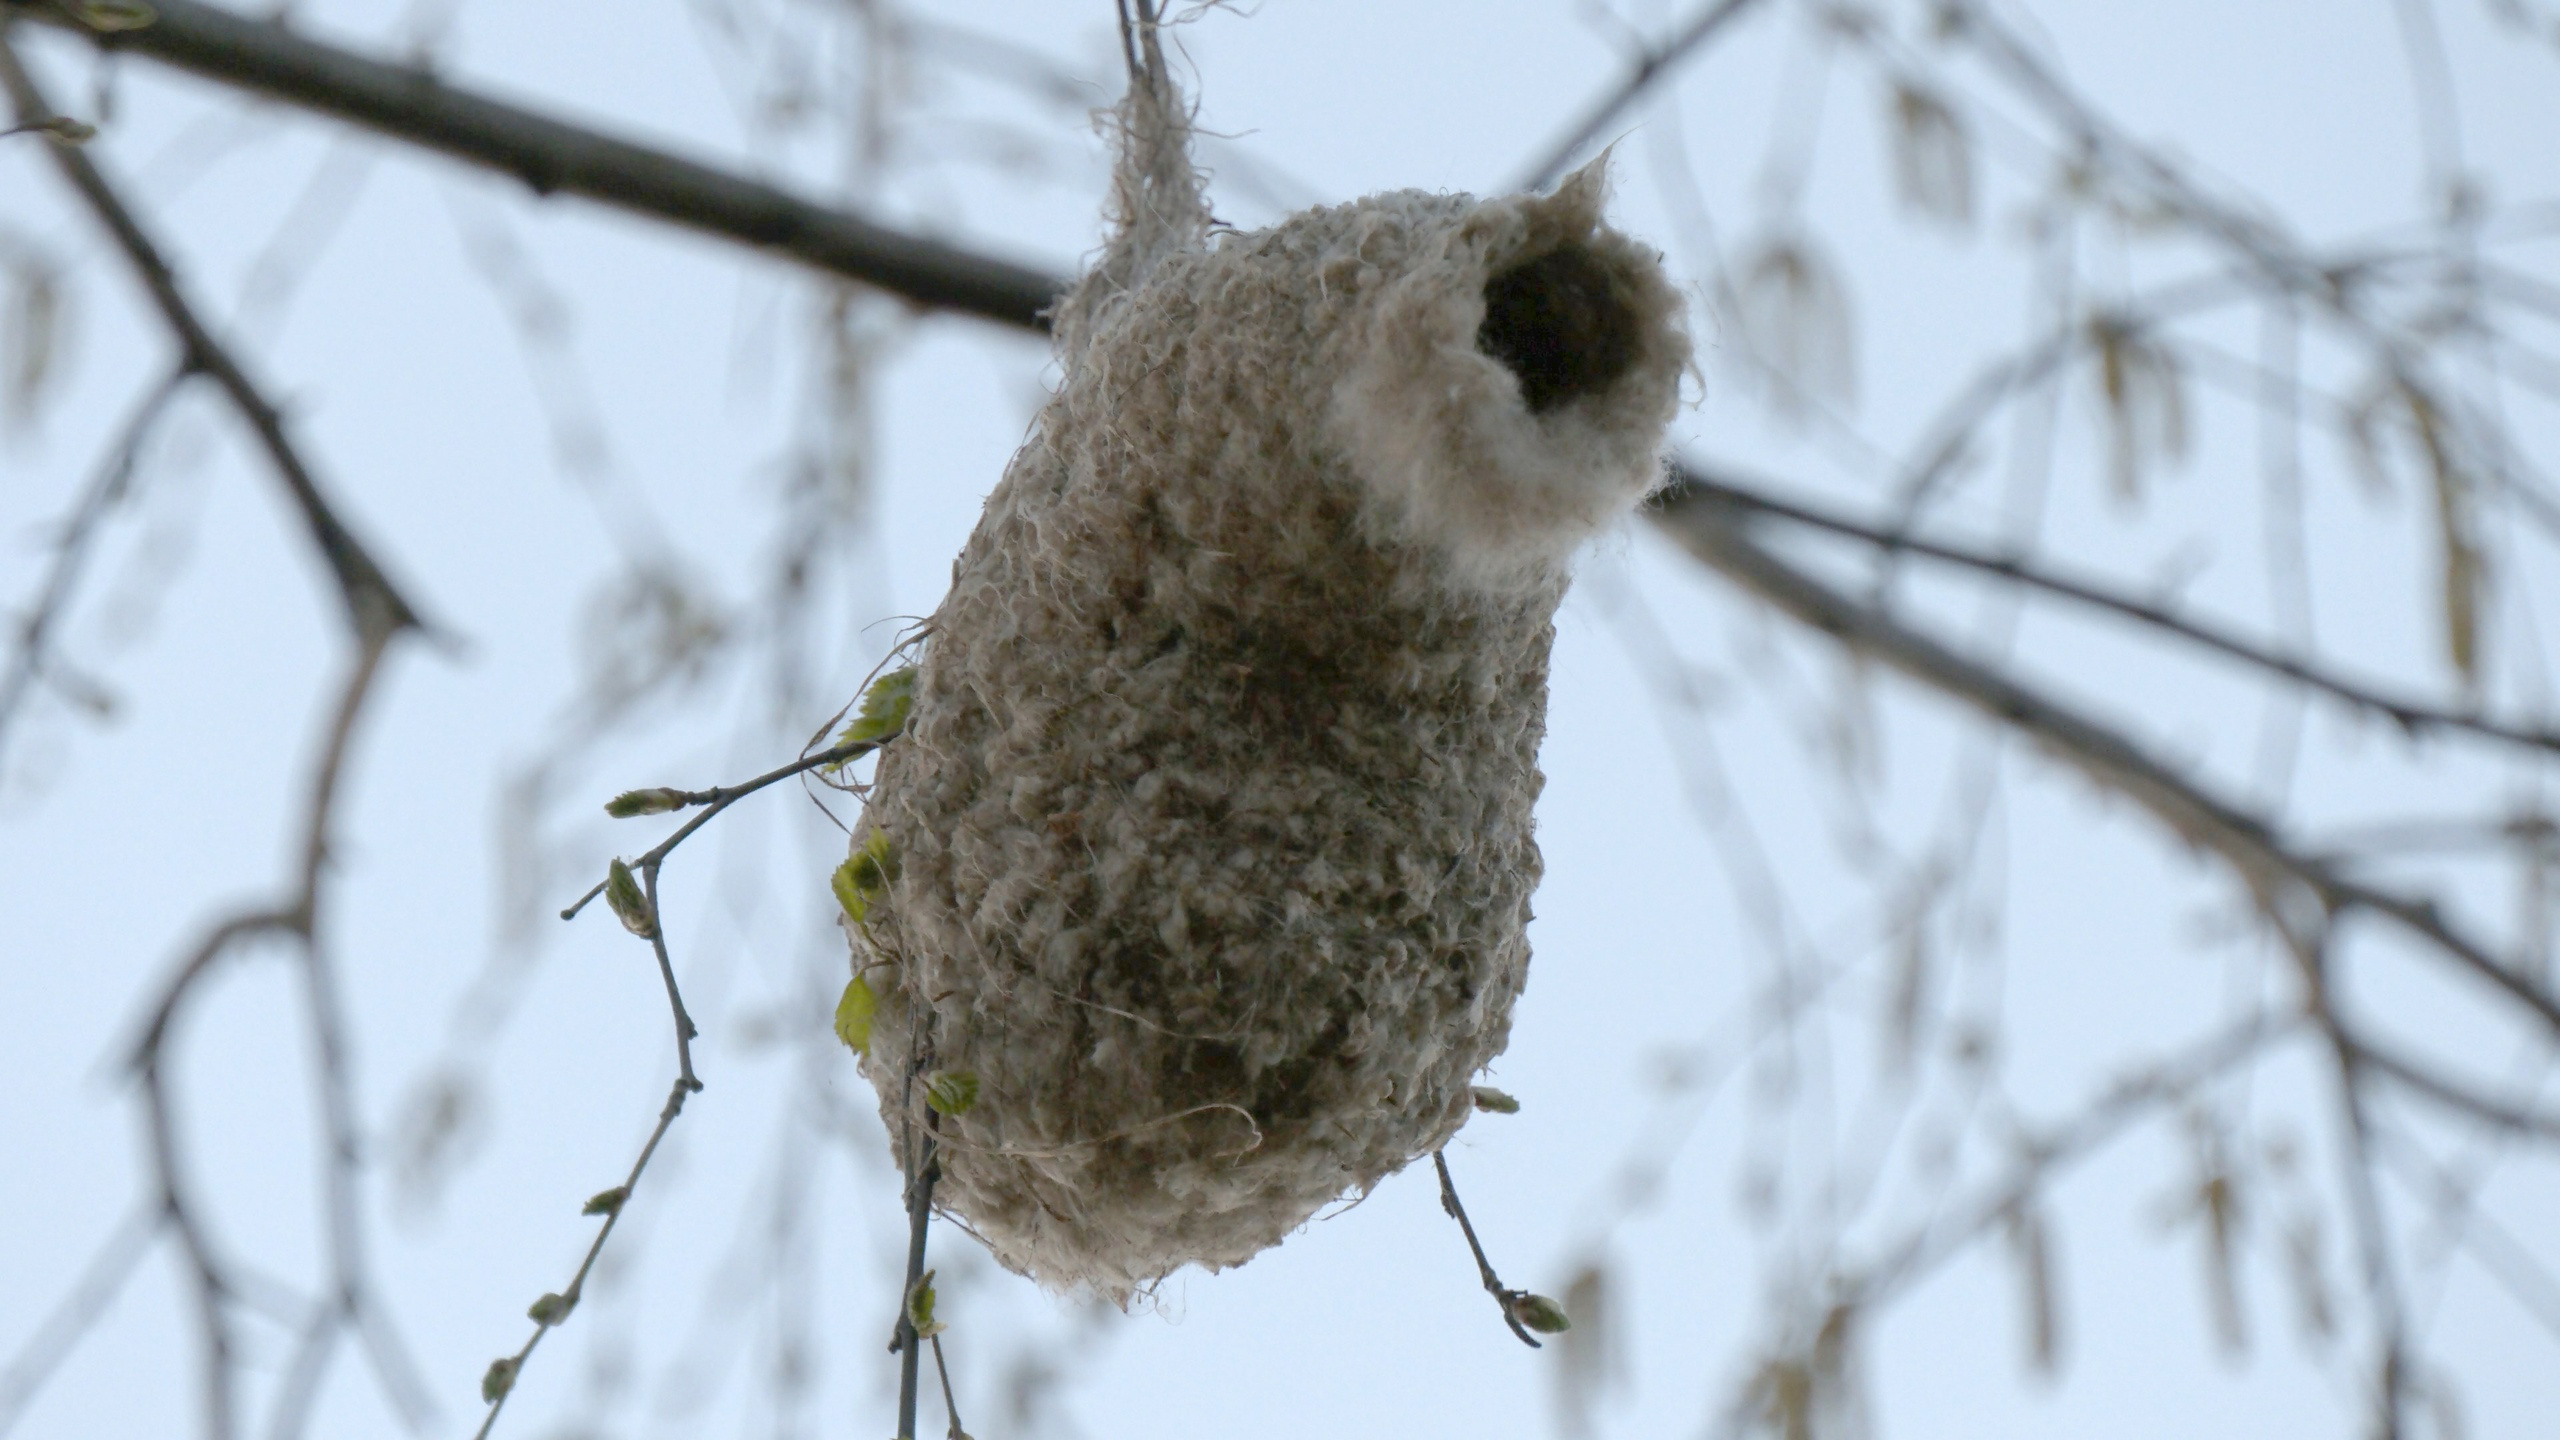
(630, 905)
(853, 1016)
(657, 800)
(883, 712)
(865, 876)
(1537, 1312)
(952, 1092)
(920, 1308)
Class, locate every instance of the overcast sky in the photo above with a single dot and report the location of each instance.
(515, 399)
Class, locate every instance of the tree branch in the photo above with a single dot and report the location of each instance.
(114, 1263)
(1503, 1295)
(1714, 533)
(549, 1311)
(374, 606)
(2409, 714)
(114, 481)
(2122, 1105)
(1651, 66)
(409, 103)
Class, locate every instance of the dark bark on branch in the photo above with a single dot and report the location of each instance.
(410, 103)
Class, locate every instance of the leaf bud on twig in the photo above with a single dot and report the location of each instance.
(656, 800)
(630, 905)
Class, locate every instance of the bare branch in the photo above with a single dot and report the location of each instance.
(549, 1311)
(685, 1031)
(1505, 1297)
(409, 103)
(112, 484)
(721, 797)
(923, 1169)
(374, 606)
(2409, 714)
(2357, 1167)
(349, 1304)
(2129, 1101)
(2283, 879)
(114, 1263)
(1651, 66)
(2452, 1095)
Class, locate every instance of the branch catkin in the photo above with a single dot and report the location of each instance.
(1211, 818)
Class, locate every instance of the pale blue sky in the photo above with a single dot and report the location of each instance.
(440, 434)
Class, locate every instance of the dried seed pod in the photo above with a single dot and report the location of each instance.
(1212, 810)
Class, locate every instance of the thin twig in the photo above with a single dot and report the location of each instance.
(2410, 715)
(1715, 535)
(685, 1031)
(721, 797)
(552, 1310)
(113, 483)
(2123, 1104)
(1653, 65)
(114, 1263)
(1507, 1299)
(2391, 1363)
(412, 104)
(549, 1316)
(925, 1169)
(2507, 1261)
(206, 1283)
(2461, 1099)
(348, 1305)
(373, 604)
(349, 1302)
(950, 1406)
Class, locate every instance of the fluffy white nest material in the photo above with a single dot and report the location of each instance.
(1211, 819)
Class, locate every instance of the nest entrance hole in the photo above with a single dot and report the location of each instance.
(1561, 323)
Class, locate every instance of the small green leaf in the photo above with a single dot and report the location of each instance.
(1537, 1312)
(657, 800)
(883, 712)
(551, 1309)
(498, 1379)
(847, 884)
(920, 1308)
(606, 1202)
(853, 1016)
(1488, 1098)
(630, 905)
(952, 1092)
(865, 876)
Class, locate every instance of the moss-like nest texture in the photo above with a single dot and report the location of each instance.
(1210, 824)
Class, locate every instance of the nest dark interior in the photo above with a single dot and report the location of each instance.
(1561, 322)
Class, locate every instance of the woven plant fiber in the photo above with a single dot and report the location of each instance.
(1210, 825)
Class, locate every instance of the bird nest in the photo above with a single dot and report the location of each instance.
(1202, 862)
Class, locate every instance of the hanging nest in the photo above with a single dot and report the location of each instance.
(1203, 859)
